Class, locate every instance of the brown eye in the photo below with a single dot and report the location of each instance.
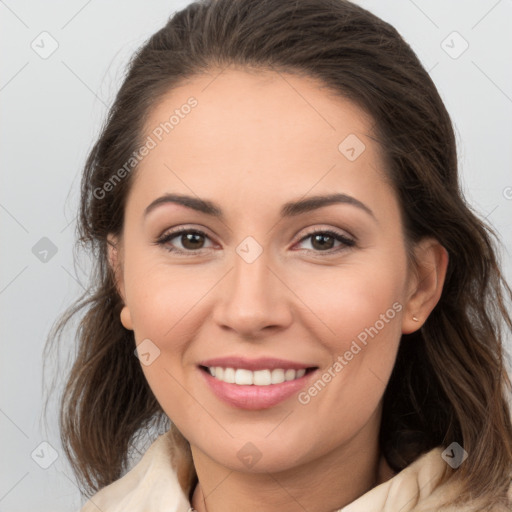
(324, 241)
(192, 240)
(184, 241)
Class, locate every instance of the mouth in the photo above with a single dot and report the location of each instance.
(264, 377)
(255, 384)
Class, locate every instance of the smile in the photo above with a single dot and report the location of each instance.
(244, 377)
(254, 384)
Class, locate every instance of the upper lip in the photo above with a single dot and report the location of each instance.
(262, 363)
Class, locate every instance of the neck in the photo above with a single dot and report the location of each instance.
(325, 484)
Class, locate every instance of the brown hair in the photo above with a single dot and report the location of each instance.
(449, 382)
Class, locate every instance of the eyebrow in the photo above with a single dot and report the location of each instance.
(290, 209)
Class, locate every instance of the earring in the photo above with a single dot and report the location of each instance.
(415, 319)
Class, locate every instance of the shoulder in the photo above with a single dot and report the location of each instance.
(423, 486)
(152, 484)
(448, 488)
(406, 490)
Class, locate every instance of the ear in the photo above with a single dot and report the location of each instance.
(115, 263)
(425, 283)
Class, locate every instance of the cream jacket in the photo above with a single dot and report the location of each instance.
(152, 485)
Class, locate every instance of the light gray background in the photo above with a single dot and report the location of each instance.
(52, 109)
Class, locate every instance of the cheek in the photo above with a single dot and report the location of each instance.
(161, 297)
(164, 307)
(167, 309)
(354, 301)
(358, 320)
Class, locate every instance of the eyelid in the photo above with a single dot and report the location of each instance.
(327, 229)
(171, 233)
(346, 239)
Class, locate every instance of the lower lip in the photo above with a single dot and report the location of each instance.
(255, 397)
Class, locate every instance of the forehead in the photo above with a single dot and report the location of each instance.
(245, 102)
(235, 130)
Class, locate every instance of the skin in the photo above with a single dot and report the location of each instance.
(254, 142)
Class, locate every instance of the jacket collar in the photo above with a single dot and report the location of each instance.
(161, 482)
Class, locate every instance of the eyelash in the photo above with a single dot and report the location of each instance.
(345, 241)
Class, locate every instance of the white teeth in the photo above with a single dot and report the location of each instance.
(262, 378)
(244, 377)
(277, 376)
(289, 374)
(229, 375)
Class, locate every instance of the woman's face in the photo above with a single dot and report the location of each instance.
(255, 289)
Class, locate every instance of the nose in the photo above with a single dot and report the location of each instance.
(253, 299)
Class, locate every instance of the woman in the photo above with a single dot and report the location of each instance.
(287, 271)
